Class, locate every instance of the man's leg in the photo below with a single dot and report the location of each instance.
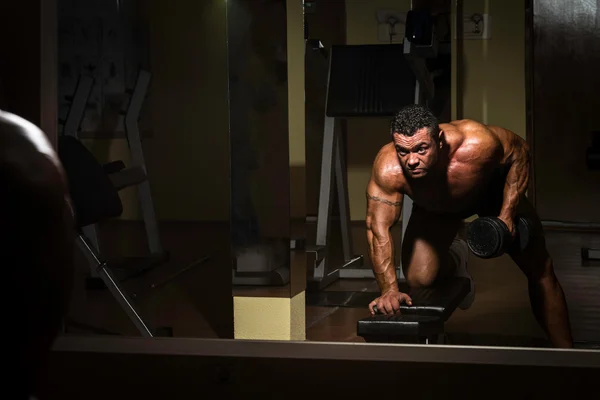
(545, 292)
(430, 251)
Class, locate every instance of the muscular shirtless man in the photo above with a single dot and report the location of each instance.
(452, 171)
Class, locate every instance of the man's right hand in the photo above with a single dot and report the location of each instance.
(389, 302)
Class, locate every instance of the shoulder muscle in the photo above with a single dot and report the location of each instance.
(386, 175)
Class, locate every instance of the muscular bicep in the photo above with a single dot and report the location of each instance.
(384, 207)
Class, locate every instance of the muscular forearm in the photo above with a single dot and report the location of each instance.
(381, 249)
(516, 184)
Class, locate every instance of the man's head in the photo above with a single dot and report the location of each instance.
(416, 136)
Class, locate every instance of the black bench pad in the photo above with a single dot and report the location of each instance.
(431, 308)
(439, 301)
(399, 324)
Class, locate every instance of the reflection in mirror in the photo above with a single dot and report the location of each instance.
(259, 145)
(143, 138)
(433, 233)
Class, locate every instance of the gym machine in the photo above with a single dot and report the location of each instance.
(363, 81)
(94, 190)
(95, 199)
(121, 176)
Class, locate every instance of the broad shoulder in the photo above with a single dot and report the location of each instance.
(470, 131)
(472, 139)
(387, 172)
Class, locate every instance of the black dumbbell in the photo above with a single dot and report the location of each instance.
(488, 237)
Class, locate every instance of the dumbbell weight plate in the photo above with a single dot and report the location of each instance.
(524, 232)
(486, 237)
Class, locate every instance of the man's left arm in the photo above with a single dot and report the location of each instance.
(517, 159)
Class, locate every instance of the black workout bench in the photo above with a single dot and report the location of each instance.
(423, 322)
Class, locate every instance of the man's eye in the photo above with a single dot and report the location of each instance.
(422, 150)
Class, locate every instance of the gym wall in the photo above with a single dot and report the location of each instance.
(184, 118)
(188, 155)
(493, 71)
(187, 115)
(493, 81)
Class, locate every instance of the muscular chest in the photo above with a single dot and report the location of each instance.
(459, 189)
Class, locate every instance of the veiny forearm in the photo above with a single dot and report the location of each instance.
(516, 184)
(381, 249)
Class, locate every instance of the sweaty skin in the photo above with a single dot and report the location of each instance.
(447, 179)
(467, 155)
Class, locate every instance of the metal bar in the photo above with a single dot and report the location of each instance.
(317, 283)
(341, 179)
(91, 233)
(319, 251)
(407, 205)
(78, 105)
(325, 203)
(418, 93)
(174, 275)
(419, 68)
(312, 350)
(325, 193)
(111, 283)
(137, 157)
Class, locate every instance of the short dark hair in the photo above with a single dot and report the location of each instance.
(408, 120)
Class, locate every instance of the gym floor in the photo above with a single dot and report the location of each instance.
(500, 315)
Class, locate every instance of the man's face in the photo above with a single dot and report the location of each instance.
(417, 154)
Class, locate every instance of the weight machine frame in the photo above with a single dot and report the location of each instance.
(136, 175)
(87, 240)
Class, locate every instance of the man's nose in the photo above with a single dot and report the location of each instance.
(413, 161)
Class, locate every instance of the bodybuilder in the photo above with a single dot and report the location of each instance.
(452, 171)
(36, 243)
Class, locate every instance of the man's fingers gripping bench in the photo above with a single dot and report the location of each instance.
(389, 303)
